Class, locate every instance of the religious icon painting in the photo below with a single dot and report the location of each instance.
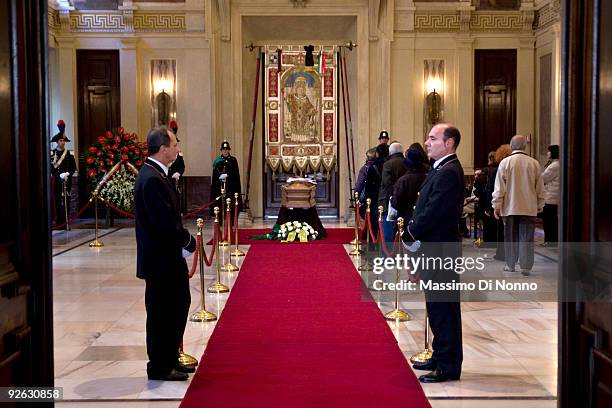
(301, 121)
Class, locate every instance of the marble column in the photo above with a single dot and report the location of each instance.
(525, 89)
(464, 97)
(66, 64)
(128, 66)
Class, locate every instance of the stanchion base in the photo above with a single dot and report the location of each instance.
(223, 243)
(366, 267)
(398, 315)
(230, 268)
(355, 252)
(354, 242)
(218, 288)
(187, 360)
(238, 252)
(96, 244)
(422, 357)
(203, 316)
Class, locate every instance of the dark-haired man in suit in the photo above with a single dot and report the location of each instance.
(435, 222)
(162, 243)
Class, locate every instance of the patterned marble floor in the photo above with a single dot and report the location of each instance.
(99, 332)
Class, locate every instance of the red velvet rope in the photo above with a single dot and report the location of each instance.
(194, 265)
(224, 232)
(372, 237)
(214, 248)
(235, 219)
(81, 211)
(381, 237)
(117, 210)
(197, 210)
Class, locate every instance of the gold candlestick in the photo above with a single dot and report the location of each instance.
(237, 251)
(186, 359)
(96, 243)
(202, 315)
(425, 355)
(397, 314)
(366, 267)
(224, 219)
(217, 287)
(356, 242)
(229, 267)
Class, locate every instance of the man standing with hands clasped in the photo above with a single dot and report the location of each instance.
(162, 244)
(435, 222)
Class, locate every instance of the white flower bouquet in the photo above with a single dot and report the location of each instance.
(118, 189)
(296, 231)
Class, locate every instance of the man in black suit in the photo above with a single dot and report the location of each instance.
(435, 222)
(162, 243)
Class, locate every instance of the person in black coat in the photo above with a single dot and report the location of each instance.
(63, 166)
(435, 223)
(372, 186)
(225, 174)
(161, 244)
(406, 189)
(393, 169)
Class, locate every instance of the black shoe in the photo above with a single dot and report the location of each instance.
(184, 369)
(173, 375)
(426, 366)
(437, 376)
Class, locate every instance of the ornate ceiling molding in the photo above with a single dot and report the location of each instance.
(475, 22)
(121, 21)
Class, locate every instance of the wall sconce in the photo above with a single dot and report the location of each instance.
(433, 80)
(163, 92)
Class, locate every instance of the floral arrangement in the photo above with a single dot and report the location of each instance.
(115, 146)
(292, 231)
(117, 186)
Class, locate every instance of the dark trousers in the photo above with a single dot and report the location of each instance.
(445, 323)
(444, 310)
(518, 240)
(58, 196)
(167, 303)
(551, 223)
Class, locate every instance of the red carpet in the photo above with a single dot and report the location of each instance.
(300, 330)
(334, 236)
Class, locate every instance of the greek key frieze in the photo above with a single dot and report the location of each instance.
(436, 22)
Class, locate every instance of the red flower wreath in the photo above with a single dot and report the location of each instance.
(116, 145)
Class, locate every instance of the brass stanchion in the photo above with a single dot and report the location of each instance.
(425, 355)
(356, 242)
(65, 197)
(217, 287)
(366, 267)
(229, 267)
(397, 314)
(203, 315)
(237, 251)
(96, 243)
(224, 219)
(186, 359)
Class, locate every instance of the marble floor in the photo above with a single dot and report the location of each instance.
(510, 346)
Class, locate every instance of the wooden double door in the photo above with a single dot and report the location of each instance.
(99, 103)
(495, 101)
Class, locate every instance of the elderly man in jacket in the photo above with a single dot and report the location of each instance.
(518, 198)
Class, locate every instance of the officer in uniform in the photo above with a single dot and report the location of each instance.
(63, 166)
(177, 168)
(225, 174)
